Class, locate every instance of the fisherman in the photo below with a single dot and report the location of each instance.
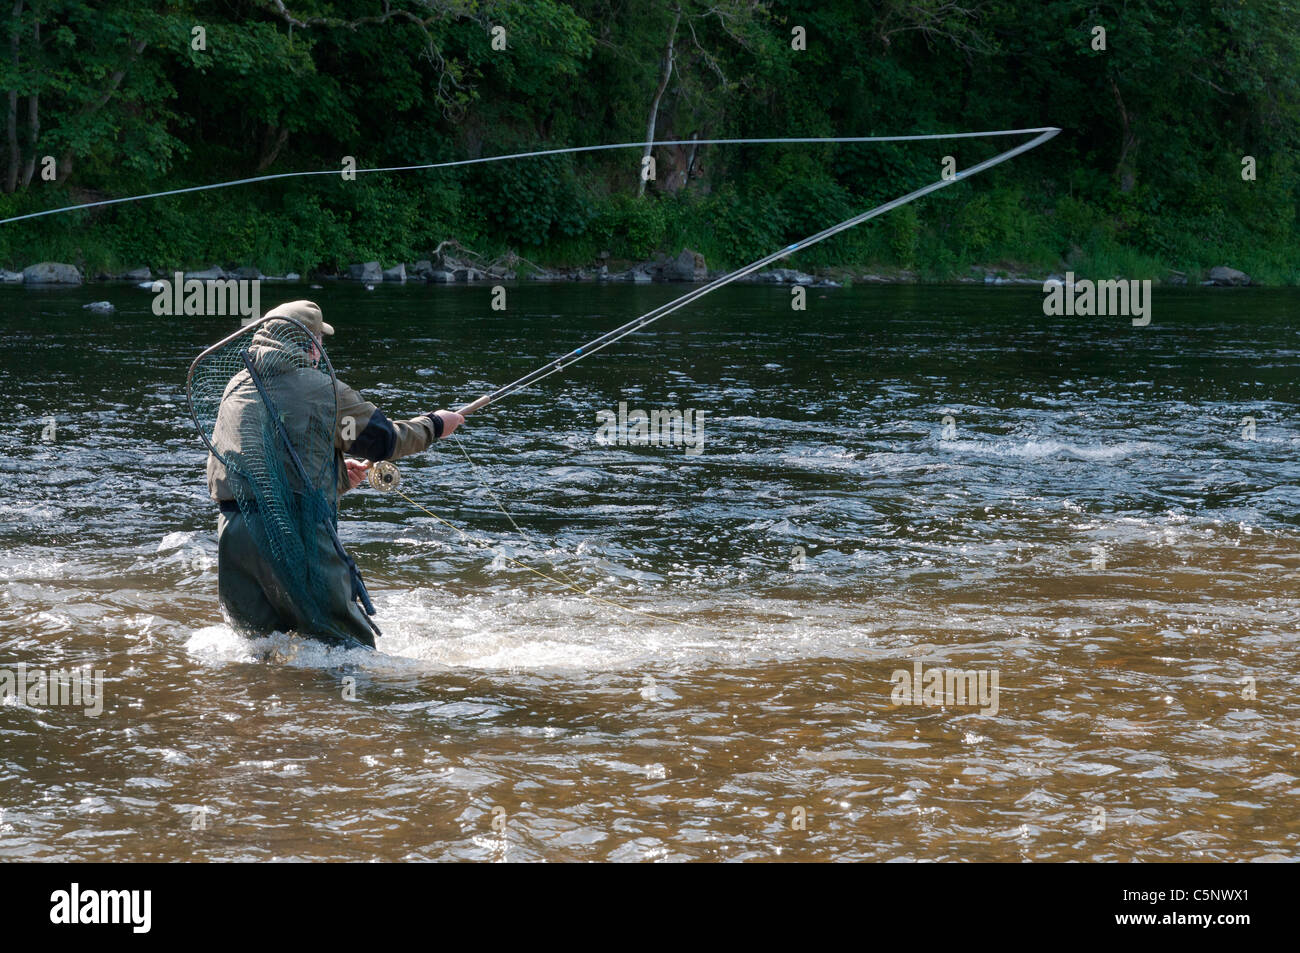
(252, 595)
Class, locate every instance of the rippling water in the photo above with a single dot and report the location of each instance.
(900, 478)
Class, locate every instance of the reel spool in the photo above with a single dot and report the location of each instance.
(384, 476)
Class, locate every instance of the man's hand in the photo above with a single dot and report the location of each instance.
(357, 470)
(450, 421)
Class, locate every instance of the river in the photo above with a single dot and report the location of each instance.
(1098, 523)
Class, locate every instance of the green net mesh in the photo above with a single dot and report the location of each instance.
(261, 398)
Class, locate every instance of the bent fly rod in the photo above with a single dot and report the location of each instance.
(636, 324)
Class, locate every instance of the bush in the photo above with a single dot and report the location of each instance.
(995, 223)
(903, 231)
(530, 202)
(741, 230)
(810, 205)
(631, 226)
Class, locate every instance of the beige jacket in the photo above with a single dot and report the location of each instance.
(303, 398)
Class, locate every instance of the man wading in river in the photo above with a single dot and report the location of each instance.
(313, 592)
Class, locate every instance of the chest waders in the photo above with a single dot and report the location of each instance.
(358, 585)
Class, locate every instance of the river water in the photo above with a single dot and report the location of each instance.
(898, 480)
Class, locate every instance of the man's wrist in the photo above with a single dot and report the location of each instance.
(437, 424)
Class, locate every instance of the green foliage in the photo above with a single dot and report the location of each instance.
(902, 230)
(810, 205)
(630, 227)
(1146, 175)
(529, 202)
(742, 229)
(995, 223)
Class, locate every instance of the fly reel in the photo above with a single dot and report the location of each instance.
(384, 476)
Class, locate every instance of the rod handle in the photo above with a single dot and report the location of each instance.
(474, 405)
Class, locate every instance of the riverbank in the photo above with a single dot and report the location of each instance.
(688, 266)
(407, 230)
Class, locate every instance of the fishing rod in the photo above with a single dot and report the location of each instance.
(385, 475)
(610, 337)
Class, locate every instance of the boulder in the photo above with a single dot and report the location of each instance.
(293, 276)
(396, 273)
(370, 271)
(784, 276)
(1228, 277)
(138, 274)
(51, 273)
(441, 277)
(688, 266)
(208, 274)
(249, 273)
(11, 277)
(421, 269)
(99, 307)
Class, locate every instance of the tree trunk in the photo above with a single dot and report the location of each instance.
(11, 121)
(33, 135)
(33, 119)
(1128, 143)
(272, 142)
(654, 106)
(114, 81)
